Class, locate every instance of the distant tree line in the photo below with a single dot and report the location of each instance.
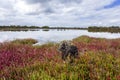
(26, 28)
(112, 29)
(76, 28)
(17, 28)
(47, 27)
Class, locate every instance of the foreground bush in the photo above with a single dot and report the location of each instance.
(99, 59)
(24, 41)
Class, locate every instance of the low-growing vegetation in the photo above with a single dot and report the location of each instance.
(24, 41)
(99, 59)
(112, 29)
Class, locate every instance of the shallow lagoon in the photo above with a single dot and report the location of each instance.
(53, 35)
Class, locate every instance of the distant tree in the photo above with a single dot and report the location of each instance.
(45, 27)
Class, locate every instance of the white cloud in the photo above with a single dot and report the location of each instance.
(58, 13)
(23, 8)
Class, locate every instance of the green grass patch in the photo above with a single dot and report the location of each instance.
(24, 41)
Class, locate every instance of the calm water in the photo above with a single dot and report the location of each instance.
(53, 35)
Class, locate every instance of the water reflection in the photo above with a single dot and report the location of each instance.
(53, 35)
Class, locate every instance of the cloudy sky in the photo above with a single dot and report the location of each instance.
(80, 13)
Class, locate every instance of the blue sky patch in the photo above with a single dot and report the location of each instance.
(114, 4)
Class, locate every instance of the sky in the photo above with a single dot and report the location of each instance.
(57, 13)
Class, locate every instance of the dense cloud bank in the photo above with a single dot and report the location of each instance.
(59, 12)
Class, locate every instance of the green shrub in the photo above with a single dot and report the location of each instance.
(24, 41)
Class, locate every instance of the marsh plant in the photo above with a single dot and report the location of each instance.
(99, 61)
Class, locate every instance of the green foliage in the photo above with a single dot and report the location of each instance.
(85, 39)
(45, 27)
(24, 41)
(100, 61)
(112, 29)
(18, 28)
